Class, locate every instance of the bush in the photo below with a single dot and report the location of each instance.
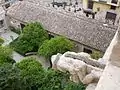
(14, 46)
(5, 55)
(10, 78)
(29, 75)
(37, 77)
(32, 37)
(96, 55)
(1, 41)
(74, 86)
(54, 80)
(31, 72)
(54, 46)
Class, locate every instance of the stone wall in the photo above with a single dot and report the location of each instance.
(79, 65)
(87, 60)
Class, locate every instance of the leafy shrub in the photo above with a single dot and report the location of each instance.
(54, 80)
(54, 46)
(32, 37)
(74, 86)
(10, 78)
(5, 55)
(31, 72)
(29, 75)
(96, 55)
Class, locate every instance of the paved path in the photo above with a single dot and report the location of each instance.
(7, 37)
(17, 57)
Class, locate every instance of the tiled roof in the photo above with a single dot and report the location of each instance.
(83, 30)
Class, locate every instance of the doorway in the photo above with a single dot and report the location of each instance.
(90, 4)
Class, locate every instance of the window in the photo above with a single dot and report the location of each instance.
(114, 1)
(90, 4)
(87, 50)
(113, 7)
(1, 23)
(110, 17)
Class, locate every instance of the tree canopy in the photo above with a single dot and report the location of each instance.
(32, 37)
(54, 80)
(10, 78)
(31, 72)
(37, 77)
(54, 46)
(5, 55)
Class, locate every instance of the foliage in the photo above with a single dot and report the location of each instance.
(54, 46)
(16, 30)
(74, 86)
(10, 78)
(5, 55)
(1, 41)
(32, 37)
(29, 75)
(36, 77)
(31, 72)
(54, 80)
(96, 55)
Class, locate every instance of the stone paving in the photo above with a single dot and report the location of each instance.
(17, 57)
(8, 37)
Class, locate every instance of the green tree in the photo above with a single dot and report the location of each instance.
(31, 72)
(5, 55)
(10, 78)
(32, 37)
(29, 75)
(54, 46)
(54, 80)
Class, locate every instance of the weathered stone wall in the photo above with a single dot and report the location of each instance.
(110, 80)
(80, 70)
(87, 60)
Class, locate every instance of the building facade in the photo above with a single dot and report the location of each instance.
(109, 9)
(88, 34)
